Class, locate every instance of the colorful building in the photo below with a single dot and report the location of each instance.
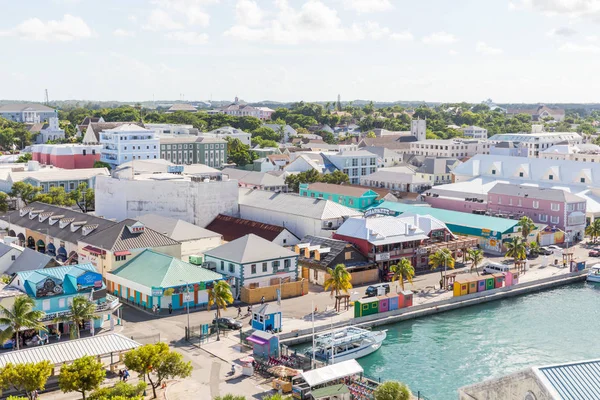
(67, 156)
(349, 196)
(184, 149)
(152, 278)
(54, 289)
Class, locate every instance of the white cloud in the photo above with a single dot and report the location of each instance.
(571, 8)
(65, 30)
(404, 36)
(439, 38)
(563, 31)
(484, 48)
(369, 6)
(190, 38)
(579, 48)
(123, 33)
(161, 20)
(248, 13)
(193, 10)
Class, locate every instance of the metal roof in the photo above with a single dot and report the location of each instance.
(118, 237)
(573, 381)
(68, 351)
(331, 372)
(249, 248)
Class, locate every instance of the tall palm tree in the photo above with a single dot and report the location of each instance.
(476, 257)
(534, 248)
(403, 270)
(339, 280)
(20, 316)
(526, 226)
(441, 258)
(221, 296)
(516, 249)
(593, 229)
(81, 310)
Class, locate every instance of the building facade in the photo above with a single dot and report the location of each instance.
(450, 147)
(27, 113)
(537, 141)
(355, 164)
(475, 132)
(67, 156)
(230, 132)
(352, 197)
(194, 150)
(128, 142)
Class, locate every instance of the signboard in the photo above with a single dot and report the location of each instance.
(89, 279)
(157, 292)
(382, 257)
(49, 287)
(485, 232)
(422, 250)
(379, 211)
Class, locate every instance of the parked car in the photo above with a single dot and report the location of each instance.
(554, 247)
(373, 289)
(545, 251)
(228, 323)
(594, 253)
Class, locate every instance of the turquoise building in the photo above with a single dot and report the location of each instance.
(54, 289)
(358, 198)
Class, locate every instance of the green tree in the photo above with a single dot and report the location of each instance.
(239, 153)
(102, 164)
(82, 196)
(120, 390)
(24, 191)
(81, 310)
(371, 135)
(3, 202)
(57, 196)
(84, 375)
(526, 226)
(24, 158)
(402, 270)
(476, 258)
(277, 396)
(26, 377)
(220, 295)
(337, 177)
(20, 316)
(339, 280)
(392, 390)
(593, 230)
(7, 138)
(441, 259)
(516, 249)
(230, 397)
(534, 248)
(157, 363)
(266, 134)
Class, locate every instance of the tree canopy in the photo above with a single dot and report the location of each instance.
(26, 377)
(83, 375)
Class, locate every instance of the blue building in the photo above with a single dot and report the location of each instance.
(54, 289)
(267, 317)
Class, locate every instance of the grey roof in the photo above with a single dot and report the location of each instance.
(335, 248)
(183, 107)
(98, 127)
(71, 350)
(381, 151)
(265, 179)
(249, 248)
(573, 381)
(176, 229)
(118, 237)
(535, 193)
(437, 165)
(4, 248)
(31, 260)
(18, 107)
(55, 230)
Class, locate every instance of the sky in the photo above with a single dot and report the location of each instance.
(291, 50)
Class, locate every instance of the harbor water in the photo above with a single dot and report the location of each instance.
(438, 354)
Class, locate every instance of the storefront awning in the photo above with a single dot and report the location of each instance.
(94, 250)
(122, 253)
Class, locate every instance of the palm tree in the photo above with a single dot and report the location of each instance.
(403, 270)
(20, 316)
(516, 249)
(526, 226)
(339, 280)
(221, 296)
(81, 310)
(593, 229)
(476, 257)
(534, 248)
(441, 258)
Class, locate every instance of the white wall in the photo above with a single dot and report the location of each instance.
(286, 238)
(6, 260)
(195, 202)
(197, 247)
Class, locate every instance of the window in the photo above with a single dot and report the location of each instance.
(510, 201)
(71, 185)
(581, 206)
(536, 204)
(554, 219)
(582, 180)
(284, 241)
(46, 305)
(120, 258)
(555, 207)
(543, 218)
(550, 177)
(493, 172)
(264, 267)
(276, 265)
(62, 303)
(93, 151)
(570, 207)
(222, 265)
(84, 152)
(231, 268)
(253, 269)
(520, 204)
(520, 174)
(499, 200)
(287, 263)
(13, 257)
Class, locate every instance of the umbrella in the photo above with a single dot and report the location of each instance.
(282, 371)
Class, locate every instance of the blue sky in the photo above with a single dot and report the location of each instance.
(288, 50)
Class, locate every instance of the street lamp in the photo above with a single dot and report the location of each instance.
(187, 303)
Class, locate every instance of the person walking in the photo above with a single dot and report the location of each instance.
(239, 312)
(262, 300)
(170, 308)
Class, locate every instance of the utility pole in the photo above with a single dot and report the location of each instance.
(47, 100)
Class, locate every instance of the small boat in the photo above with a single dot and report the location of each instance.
(347, 344)
(594, 274)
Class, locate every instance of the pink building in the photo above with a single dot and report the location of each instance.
(67, 156)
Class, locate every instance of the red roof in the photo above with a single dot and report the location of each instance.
(234, 228)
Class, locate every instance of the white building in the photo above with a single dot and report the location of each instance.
(240, 109)
(172, 129)
(253, 262)
(475, 132)
(300, 215)
(355, 164)
(385, 156)
(537, 141)
(195, 193)
(228, 131)
(27, 113)
(50, 131)
(450, 147)
(390, 178)
(577, 152)
(128, 142)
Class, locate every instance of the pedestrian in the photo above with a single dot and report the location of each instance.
(58, 335)
(125, 375)
(120, 375)
(39, 339)
(262, 300)
(44, 338)
(239, 311)
(34, 394)
(170, 308)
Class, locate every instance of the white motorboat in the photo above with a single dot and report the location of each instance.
(347, 344)
(594, 274)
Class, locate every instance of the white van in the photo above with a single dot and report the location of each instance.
(493, 268)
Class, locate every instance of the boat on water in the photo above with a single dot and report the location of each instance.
(347, 343)
(594, 273)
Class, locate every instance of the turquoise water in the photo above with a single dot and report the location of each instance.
(437, 355)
